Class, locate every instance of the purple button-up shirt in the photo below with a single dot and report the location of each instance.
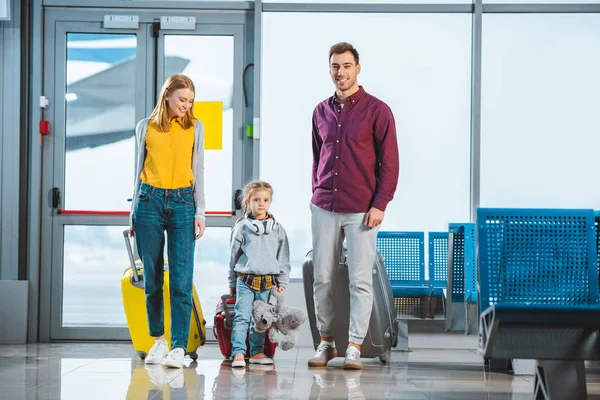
(355, 154)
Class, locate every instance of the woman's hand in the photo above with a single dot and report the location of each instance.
(199, 228)
(232, 291)
(130, 232)
(280, 289)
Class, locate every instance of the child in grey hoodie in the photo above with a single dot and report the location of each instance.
(260, 260)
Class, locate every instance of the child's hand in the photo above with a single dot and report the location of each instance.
(232, 291)
(280, 289)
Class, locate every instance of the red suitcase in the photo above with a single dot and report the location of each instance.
(222, 328)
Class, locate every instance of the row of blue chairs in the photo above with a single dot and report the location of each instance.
(539, 286)
(404, 254)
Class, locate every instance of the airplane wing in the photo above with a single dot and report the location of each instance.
(103, 111)
(111, 87)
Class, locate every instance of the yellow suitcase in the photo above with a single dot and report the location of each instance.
(134, 304)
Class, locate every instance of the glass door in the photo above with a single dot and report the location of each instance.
(213, 60)
(100, 82)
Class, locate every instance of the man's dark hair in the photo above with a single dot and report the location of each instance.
(341, 48)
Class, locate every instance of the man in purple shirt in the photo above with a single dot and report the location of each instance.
(354, 177)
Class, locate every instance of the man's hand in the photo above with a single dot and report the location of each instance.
(198, 228)
(280, 289)
(374, 217)
(232, 291)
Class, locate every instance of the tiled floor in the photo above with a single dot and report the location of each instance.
(113, 371)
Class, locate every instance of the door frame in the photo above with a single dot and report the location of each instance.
(58, 22)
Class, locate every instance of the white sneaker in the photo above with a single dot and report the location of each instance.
(157, 352)
(157, 376)
(174, 377)
(174, 359)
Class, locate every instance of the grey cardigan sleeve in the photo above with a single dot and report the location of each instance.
(198, 169)
(283, 256)
(236, 251)
(140, 136)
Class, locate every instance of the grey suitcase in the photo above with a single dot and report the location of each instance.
(383, 327)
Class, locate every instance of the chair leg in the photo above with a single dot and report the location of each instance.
(500, 365)
(431, 306)
(444, 301)
(470, 312)
(558, 380)
(425, 307)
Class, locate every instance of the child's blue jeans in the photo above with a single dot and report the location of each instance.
(245, 297)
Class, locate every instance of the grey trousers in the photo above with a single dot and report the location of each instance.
(328, 232)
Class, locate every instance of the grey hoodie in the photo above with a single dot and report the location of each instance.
(259, 254)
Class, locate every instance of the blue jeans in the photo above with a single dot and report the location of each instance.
(172, 210)
(245, 296)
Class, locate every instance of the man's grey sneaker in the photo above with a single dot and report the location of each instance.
(324, 353)
(157, 352)
(174, 359)
(325, 379)
(352, 360)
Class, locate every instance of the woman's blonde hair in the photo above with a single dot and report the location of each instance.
(160, 115)
(250, 188)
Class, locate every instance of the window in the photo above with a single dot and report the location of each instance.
(540, 104)
(100, 121)
(94, 261)
(368, 2)
(542, 1)
(417, 63)
(210, 66)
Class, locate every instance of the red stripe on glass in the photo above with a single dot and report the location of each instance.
(97, 212)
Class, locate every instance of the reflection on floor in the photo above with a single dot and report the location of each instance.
(113, 371)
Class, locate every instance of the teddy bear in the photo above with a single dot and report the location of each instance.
(283, 320)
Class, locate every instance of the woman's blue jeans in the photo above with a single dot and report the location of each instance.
(156, 211)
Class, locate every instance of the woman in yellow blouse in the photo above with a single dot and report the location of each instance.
(169, 195)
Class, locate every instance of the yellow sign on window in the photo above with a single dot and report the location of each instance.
(211, 115)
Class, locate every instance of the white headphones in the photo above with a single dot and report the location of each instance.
(263, 227)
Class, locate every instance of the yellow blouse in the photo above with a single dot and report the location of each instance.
(168, 163)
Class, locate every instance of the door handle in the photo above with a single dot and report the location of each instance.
(237, 199)
(55, 197)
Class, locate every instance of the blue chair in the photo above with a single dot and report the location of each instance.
(470, 275)
(539, 293)
(404, 257)
(438, 262)
(461, 256)
(438, 268)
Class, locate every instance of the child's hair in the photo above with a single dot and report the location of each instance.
(160, 115)
(250, 188)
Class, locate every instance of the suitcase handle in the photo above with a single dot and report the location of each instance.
(228, 320)
(136, 276)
